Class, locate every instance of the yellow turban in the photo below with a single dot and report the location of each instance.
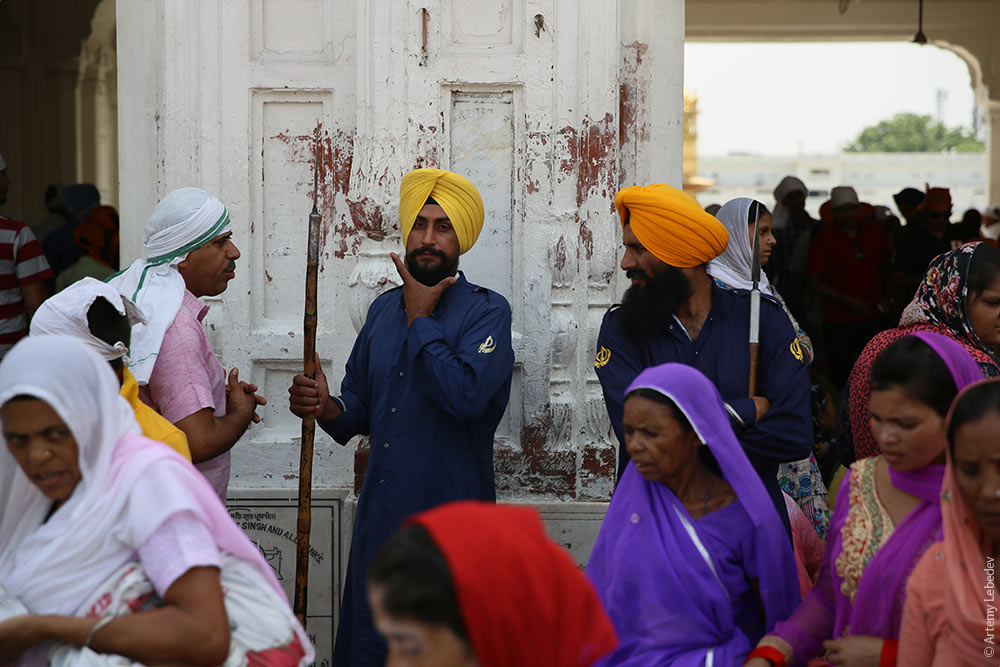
(670, 224)
(455, 194)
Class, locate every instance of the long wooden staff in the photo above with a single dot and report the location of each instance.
(304, 524)
(755, 306)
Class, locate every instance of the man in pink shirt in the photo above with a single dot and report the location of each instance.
(189, 254)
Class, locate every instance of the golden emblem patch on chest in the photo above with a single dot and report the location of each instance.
(487, 345)
(603, 357)
(797, 350)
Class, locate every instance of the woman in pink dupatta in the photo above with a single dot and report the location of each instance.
(112, 544)
(887, 516)
(951, 616)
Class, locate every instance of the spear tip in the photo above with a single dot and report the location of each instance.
(317, 146)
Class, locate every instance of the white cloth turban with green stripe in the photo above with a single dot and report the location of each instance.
(185, 220)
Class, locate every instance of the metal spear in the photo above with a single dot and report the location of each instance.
(755, 305)
(304, 523)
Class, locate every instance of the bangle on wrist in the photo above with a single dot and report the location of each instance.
(769, 653)
(93, 631)
(890, 647)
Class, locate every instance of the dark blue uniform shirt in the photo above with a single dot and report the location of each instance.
(722, 353)
(430, 395)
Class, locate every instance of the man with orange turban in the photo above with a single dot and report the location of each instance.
(428, 380)
(673, 312)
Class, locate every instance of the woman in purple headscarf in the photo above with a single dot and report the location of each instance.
(692, 562)
(887, 515)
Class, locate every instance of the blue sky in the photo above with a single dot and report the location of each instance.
(789, 98)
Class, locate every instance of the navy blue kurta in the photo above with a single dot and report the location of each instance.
(431, 395)
(722, 353)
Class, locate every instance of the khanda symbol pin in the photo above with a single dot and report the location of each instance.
(603, 357)
(487, 346)
(796, 349)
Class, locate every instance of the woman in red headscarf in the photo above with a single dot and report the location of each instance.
(472, 584)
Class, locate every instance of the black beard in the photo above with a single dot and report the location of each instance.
(647, 308)
(433, 274)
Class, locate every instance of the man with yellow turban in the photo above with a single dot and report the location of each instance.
(674, 312)
(428, 380)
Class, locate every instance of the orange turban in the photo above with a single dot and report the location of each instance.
(936, 199)
(670, 224)
(98, 235)
(455, 194)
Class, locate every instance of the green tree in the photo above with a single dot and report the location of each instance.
(910, 132)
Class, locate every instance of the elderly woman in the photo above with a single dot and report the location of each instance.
(471, 584)
(802, 480)
(959, 298)
(112, 544)
(692, 562)
(887, 515)
(951, 597)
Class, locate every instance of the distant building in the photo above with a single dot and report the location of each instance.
(693, 182)
(876, 176)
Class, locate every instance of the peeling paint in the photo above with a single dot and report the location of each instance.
(536, 467)
(336, 160)
(597, 147)
(559, 254)
(361, 456)
(367, 217)
(586, 239)
(597, 472)
(633, 125)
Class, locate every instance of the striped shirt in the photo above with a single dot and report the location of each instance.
(21, 263)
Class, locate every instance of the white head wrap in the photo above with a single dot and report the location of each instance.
(83, 390)
(733, 265)
(129, 488)
(3, 163)
(787, 186)
(185, 220)
(65, 314)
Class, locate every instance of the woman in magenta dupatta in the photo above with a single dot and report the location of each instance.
(690, 587)
(858, 598)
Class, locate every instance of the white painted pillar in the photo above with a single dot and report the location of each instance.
(141, 63)
(992, 110)
(96, 98)
(652, 42)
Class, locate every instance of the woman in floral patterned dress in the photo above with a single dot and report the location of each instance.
(959, 298)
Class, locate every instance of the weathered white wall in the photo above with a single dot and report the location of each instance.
(548, 105)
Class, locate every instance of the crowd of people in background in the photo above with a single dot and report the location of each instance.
(806, 413)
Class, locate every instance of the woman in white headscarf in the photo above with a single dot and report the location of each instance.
(801, 480)
(113, 548)
(731, 269)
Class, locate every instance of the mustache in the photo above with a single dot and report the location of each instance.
(433, 252)
(231, 267)
(632, 274)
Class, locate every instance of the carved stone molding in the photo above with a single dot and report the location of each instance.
(369, 279)
(565, 331)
